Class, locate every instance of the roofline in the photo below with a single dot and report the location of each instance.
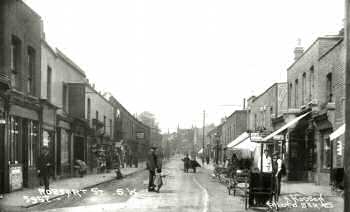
(327, 52)
(274, 84)
(313, 43)
(31, 10)
(236, 111)
(43, 41)
(112, 98)
(69, 62)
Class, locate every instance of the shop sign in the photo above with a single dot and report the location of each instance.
(140, 135)
(278, 137)
(16, 177)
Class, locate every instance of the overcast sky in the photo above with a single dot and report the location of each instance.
(177, 58)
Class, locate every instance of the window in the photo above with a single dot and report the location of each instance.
(303, 89)
(96, 116)
(15, 55)
(326, 152)
(329, 88)
(104, 124)
(290, 95)
(312, 83)
(31, 70)
(49, 82)
(296, 93)
(89, 109)
(65, 98)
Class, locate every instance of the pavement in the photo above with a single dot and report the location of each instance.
(25, 197)
(291, 189)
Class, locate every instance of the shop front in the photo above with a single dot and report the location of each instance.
(23, 144)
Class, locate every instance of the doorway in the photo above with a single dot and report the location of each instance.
(78, 148)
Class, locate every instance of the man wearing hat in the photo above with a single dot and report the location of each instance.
(44, 166)
(276, 170)
(152, 165)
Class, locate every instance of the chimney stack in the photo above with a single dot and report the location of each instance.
(298, 51)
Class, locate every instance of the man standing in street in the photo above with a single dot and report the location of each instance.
(266, 162)
(152, 167)
(277, 171)
(44, 166)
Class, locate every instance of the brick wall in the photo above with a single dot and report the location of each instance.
(234, 126)
(20, 21)
(304, 65)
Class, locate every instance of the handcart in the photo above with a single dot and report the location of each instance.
(240, 181)
(261, 185)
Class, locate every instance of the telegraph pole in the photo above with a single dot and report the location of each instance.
(347, 110)
(203, 136)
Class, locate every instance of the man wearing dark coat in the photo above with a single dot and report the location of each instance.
(152, 166)
(44, 166)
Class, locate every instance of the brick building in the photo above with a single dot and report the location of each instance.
(129, 132)
(21, 113)
(311, 86)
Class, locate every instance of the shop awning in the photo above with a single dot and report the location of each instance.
(340, 131)
(247, 144)
(200, 151)
(238, 140)
(286, 126)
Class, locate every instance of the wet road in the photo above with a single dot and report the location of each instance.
(181, 192)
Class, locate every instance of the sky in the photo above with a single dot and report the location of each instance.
(176, 58)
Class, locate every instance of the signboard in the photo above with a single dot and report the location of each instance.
(140, 135)
(256, 137)
(16, 177)
(278, 138)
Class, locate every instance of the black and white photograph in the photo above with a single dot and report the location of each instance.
(175, 105)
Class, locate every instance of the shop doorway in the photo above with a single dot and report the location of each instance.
(79, 148)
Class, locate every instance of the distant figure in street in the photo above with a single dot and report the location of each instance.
(186, 161)
(44, 166)
(151, 166)
(194, 165)
(207, 159)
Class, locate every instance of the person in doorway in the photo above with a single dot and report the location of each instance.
(266, 162)
(44, 168)
(151, 166)
(277, 172)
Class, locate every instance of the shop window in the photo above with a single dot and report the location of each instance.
(14, 138)
(31, 70)
(64, 147)
(15, 55)
(32, 142)
(326, 152)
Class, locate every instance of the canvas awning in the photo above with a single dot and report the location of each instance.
(200, 151)
(340, 131)
(286, 126)
(247, 144)
(238, 140)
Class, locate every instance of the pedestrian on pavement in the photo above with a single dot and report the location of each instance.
(158, 181)
(44, 167)
(186, 161)
(152, 166)
(194, 164)
(277, 172)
